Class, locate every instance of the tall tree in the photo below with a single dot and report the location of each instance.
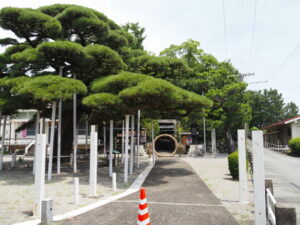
(290, 110)
(230, 108)
(268, 107)
(137, 32)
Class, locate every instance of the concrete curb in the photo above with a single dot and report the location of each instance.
(134, 187)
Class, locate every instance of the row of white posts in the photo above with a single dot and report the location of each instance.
(40, 161)
(258, 174)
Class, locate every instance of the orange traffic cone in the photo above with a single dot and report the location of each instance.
(143, 216)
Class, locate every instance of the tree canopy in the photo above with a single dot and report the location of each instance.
(127, 92)
(268, 107)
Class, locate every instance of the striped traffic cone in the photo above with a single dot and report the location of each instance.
(143, 216)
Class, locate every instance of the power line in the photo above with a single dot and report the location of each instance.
(225, 31)
(285, 61)
(253, 33)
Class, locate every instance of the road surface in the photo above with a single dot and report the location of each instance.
(176, 196)
(284, 170)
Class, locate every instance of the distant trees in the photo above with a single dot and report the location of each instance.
(268, 107)
(204, 74)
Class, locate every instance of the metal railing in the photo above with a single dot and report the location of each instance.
(275, 147)
(271, 203)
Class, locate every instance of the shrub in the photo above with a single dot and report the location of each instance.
(294, 145)
(255, 129)
(233, 164)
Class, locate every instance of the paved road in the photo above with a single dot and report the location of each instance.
(176, 196)
(284, 171)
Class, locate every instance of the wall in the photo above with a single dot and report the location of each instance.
(296, 129)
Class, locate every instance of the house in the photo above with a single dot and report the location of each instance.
(281, 132)
(25, 139)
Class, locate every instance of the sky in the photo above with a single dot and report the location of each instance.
(257, 36)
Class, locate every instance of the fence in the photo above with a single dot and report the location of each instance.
(278, 148)
(278, 214)
(271, 205)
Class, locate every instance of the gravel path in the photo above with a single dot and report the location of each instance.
(213, 170)
(17, 188)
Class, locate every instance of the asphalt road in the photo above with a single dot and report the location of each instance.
(284, 171)
(176, 196)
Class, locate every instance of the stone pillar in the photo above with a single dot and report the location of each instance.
(213, 142)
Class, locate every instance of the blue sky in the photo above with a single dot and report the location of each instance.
(268, 49)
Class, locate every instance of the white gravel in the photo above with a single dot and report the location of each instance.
(17, 188)
(213, 170)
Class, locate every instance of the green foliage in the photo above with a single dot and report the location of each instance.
(294, 145)
(137, 32)
(59, 53)
(115, 84)
(233, 164)
(103, 61)
(147, 124)
(170, 69)
(230, 108)
(52, 88)
(30, 24)
(8, 41)
(138, 91)
(290, 110)
(54, 10)
(255, 129)
(268, 107)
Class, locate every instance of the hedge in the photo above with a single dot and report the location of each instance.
(294, 145)
(233, 164)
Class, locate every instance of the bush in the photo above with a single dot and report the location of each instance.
(294, 145)
(255, 129)
(233, 164)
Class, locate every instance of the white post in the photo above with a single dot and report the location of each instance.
(39, 179)
(242, 166)
(114, 182)
(47, 211)
(204, 135)
(104, 140)
(126, 149)
(93, 161)
(76, 190)
(74, 131)
(213, 142)
(71, 160)
(111, 146)
(152, 137)
(138, 138)
(13, 159)
(59, 128)
(123, 141)
(131, 145)
(37, 125)
(2, 142)
(51, 141)
(259, 177)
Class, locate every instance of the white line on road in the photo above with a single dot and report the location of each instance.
(171, 203)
